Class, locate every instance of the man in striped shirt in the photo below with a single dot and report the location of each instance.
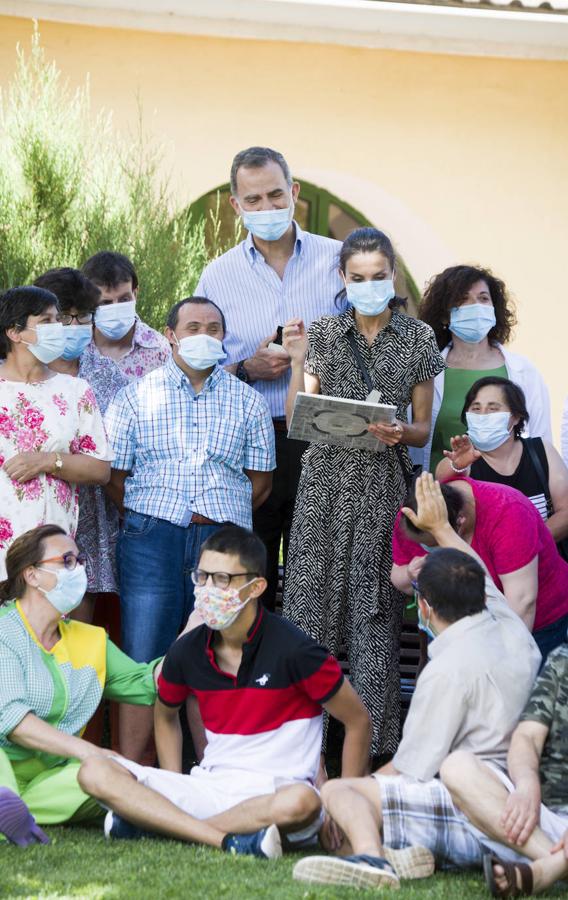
(261, 685)
(277, 273)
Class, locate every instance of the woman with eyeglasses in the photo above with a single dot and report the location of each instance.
(52, 437)
(97, 528)
(54, 671)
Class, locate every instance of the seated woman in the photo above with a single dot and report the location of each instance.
(472, 316)
(508, 533)
(493, 449)
(52, 437)
(54, 672)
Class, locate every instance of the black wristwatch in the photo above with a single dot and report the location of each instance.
(242, 373)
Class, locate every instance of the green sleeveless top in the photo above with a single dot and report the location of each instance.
(457, 383)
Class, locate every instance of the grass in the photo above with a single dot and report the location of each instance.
(79, 863)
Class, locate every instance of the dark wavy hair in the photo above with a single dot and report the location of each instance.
(16, 306)
(72, 288)
(367, 240)
(449, 289)
(514, 395)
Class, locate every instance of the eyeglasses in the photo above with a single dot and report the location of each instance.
(82, 318)
(69, 560)
(220, 579)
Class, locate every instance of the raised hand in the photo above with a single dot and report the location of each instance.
(431, 512)
(463, 453)
(295, 340)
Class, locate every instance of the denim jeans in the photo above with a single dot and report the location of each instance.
(551, 636)
(155, 559)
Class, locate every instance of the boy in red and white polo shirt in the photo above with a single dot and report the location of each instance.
(261, 685)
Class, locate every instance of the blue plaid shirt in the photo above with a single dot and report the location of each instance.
(187, 452)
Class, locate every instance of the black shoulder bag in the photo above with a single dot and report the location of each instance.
(408, 474)
(538, 467)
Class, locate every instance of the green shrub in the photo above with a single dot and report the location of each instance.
(70, 187)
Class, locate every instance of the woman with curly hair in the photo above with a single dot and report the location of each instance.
(472, 317)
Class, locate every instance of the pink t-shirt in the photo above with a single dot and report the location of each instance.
(509, 533)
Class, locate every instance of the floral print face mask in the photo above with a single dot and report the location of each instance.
(219, 607)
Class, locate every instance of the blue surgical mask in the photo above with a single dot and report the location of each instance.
(114, 320)
(427, 548)
(487, 431)
(425, 625)
(76, 339)
(370, 298)
(200, 351)
(69, 590)
(472, 322)
(268, 224)
(50, 342)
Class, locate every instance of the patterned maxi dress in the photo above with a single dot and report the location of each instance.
(338, 586)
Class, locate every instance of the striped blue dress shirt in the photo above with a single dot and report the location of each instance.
(255, 300)
(187, 451)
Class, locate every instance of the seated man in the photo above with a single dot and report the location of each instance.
(261, 684)
(482, 667)
(511, 812)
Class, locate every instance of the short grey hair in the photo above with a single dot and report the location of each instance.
(256, 158)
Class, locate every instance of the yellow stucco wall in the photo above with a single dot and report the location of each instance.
(460, 159)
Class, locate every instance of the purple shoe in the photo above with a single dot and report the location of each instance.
(17, 822)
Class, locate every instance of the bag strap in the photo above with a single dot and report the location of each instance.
(539, 469)
(360, 361)
(408, 476)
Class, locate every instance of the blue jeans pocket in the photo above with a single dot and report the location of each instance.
(136, 523)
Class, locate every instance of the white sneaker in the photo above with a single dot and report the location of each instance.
(411, 862)
(353, 871)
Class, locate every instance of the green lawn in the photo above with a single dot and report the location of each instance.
(81, 864)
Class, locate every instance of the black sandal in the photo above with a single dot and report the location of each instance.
(510, 872)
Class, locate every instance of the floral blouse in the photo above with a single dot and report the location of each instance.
(61, 414)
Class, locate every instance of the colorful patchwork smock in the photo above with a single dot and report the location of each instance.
(64, 685)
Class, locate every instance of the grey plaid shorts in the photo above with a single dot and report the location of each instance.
(422, 813)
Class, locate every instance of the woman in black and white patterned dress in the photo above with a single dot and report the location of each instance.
(338, 586)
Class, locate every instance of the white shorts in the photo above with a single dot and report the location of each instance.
(205, 793)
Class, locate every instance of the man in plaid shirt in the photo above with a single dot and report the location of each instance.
(193, 449)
